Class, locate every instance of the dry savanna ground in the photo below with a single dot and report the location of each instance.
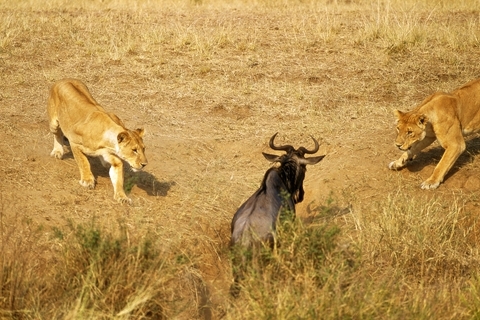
(211, 81)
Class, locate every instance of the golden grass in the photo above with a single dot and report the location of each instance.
(211, 81)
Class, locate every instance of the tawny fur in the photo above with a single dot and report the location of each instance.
(91, 131)
(446, 117)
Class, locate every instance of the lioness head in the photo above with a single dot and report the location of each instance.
(131, 148)
(410, 129)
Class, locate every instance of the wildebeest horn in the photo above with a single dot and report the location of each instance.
(286, 148)
(306, 151)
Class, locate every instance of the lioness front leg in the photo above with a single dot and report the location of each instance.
(411, 153)
(86, 177)
(401, 162)
(449, 157)
(116, 175)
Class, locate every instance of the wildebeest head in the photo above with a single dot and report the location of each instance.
(293, 166)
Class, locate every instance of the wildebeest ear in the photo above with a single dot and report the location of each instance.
(271, 157)
(140, 132)
(312, 160)
(122, 136)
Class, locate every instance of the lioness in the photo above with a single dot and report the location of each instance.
(91, 131)
(445, 117)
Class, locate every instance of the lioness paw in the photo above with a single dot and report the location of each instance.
(123, 199)
(57, 154)
(394, 166)
(427, 185)
(90, 184)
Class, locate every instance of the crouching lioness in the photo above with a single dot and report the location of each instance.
(445, 117)
(91, 131)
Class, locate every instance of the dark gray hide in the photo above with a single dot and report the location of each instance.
(282, 187)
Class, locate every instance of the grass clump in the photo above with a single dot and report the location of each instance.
(426, 240)
(122, 277)
(89, 271)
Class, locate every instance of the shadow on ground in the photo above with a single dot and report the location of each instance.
(143, 179)
(148, 182)
(433, 156)
(320, 213)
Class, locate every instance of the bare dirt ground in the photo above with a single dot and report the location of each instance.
(211, 87)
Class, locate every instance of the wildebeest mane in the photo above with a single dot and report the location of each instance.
(291, 174)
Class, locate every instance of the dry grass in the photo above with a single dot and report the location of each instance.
(211, 81)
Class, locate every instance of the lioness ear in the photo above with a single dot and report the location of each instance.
(140, 132)
(422, 120)
(397, 113)
(122, 136)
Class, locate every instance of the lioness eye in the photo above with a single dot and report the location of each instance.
(134, 150)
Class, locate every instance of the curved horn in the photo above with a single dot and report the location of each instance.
(306, 151)
(286, 148)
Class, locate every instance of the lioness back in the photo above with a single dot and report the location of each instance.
(71, 104)
(91, 131)
(469, 106)
(446, 117)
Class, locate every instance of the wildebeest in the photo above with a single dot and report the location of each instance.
(282, 187)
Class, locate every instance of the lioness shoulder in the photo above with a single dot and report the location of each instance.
(446, 117)
(91, 131)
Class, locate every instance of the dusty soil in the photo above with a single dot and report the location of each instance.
(209, 118)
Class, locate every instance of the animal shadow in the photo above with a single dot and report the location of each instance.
(318, 213)
(433, 156)
(147, 182)
(142, 179)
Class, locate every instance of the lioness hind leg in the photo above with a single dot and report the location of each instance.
(54, 125)
(86, 177)
(57, 151)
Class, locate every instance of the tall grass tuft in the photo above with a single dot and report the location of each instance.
(425, 240)
(89, 271)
